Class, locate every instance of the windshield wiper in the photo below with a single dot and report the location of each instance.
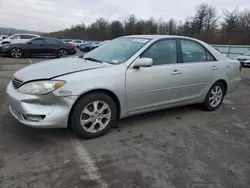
(92, 59)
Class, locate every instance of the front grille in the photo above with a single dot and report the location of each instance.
(16, 83)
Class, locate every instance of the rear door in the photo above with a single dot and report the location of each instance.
(198, 69)
(53, 45)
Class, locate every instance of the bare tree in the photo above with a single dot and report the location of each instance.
(200, 17)
(210, 19)
(230, 22)
(234, 28)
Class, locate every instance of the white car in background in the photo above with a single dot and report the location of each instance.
(244, 59)
(18, 38)
(77, 42)
(2, 37)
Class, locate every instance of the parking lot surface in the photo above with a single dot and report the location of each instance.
(177, 148)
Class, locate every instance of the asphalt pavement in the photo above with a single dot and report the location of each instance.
(177, 148)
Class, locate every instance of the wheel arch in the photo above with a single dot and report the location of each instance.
(6, 42)
(105, 91)
(224, 84)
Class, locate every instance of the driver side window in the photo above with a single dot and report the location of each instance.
(163, 52)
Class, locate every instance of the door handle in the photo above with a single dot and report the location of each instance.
(175, 72)
(214, 68)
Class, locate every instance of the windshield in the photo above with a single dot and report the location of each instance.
(117, 51)
(246, 53)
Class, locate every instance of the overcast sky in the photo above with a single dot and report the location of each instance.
(52, 15)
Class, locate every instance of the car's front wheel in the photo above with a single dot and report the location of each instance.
(93, 115)
(215, 96)
(16, 53)
(62, 53)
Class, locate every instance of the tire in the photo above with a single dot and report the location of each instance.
(62, 53)
(93, 124)
(16, 53)
(215, 96)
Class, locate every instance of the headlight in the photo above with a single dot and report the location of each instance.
(40, 87)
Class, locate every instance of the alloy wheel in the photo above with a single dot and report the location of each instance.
(216, 96)
(62, 53)
(16, 53)
(95, 116)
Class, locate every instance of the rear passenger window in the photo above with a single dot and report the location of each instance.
(53, 41)
(192, 51)
(27, 36)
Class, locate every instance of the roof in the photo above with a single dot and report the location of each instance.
(156, 36)
(26, 34)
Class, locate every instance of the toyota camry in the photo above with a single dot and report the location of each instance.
(127, 76)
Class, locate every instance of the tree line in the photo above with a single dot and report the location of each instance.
(233, 27)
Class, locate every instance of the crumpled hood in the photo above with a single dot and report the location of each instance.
(53, 68)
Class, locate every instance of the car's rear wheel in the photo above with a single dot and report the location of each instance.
(62, 53)
(93, 115)
(16, 53)
(215, 96)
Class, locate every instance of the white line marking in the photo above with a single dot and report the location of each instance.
(89, 164)
(30, 61)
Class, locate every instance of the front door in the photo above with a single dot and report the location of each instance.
(16, 39)
(36, 47)
(156, 86)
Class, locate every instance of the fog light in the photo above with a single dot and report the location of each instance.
(35, 118)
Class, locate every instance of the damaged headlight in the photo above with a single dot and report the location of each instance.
(40, 87)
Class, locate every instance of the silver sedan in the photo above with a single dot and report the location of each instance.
(126, 76)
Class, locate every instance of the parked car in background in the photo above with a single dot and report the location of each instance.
(77, 42)
(67, 40)
(85, 47)
(18, 38)
(97, 44)
(244, 59)
(2, 37)
(89, 46)
(127, 76)
(40, 46)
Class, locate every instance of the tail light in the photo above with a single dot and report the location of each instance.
(73, 46)
(240, 67)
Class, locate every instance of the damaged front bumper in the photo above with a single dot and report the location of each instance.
(40, 111)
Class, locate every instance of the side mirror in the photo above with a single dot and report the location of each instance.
(143, 62)
(29, 43)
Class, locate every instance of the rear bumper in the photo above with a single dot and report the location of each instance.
(45, 111)
(233, 85)
(72, 52)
